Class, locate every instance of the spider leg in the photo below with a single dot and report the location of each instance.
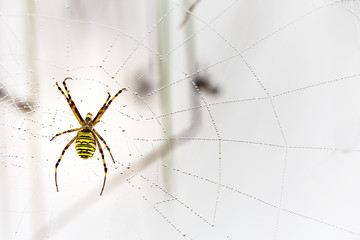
(68, 131)
(107, 147)
(103, 106)
(103, 159)
(70, 101)
(58, 162)
(103, 109)
(66, 89)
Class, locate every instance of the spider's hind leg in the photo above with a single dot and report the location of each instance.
(58, 161)
(103, 140)
(68, 131)
(103, 159)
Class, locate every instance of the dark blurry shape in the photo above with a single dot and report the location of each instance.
(190, 9)
(2, 93)
(24, 106)
(204, 84)
(21, 105)
(143, 86)
(143, 80)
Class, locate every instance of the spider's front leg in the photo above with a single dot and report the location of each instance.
(105, 107)
(70, 101)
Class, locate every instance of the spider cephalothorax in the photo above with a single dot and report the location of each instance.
(86, 137)
(87, 124)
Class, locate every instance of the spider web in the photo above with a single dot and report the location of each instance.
(240, 120)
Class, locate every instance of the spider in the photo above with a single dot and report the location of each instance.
(86, 138)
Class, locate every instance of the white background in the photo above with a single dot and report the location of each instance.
(270, 150)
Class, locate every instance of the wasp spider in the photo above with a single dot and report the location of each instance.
(86, 138)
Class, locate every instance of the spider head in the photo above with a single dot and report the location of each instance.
(88, 122)
(89, 116)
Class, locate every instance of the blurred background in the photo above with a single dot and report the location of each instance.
(241, 119)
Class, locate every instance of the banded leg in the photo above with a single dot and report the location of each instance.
(68, 131)
(62, 92)
(70, 102)
(103, 106)
(102, 110)
(107, 147)
(66, 89)
(58, 162)
(103, 159)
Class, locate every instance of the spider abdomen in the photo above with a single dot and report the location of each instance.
(85, 144)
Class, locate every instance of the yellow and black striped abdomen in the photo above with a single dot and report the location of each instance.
(85, 144)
